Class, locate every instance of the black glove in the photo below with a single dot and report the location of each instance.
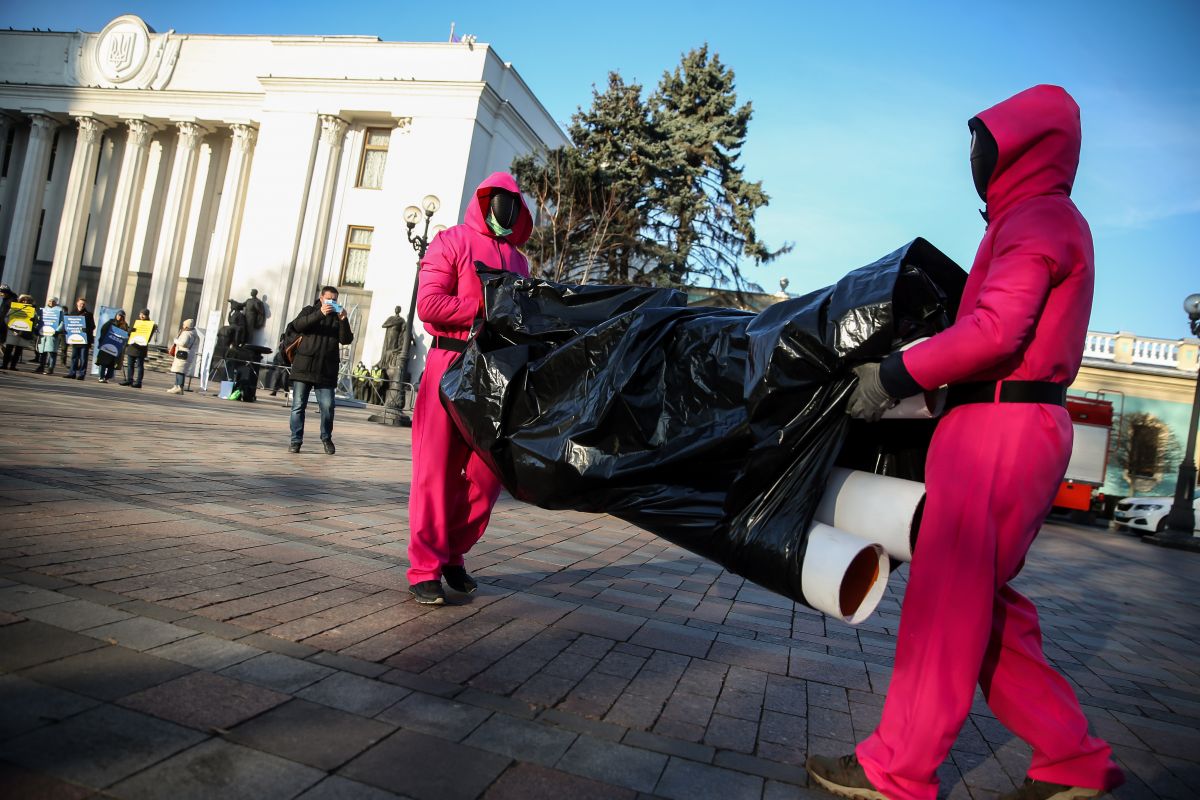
(869, 399)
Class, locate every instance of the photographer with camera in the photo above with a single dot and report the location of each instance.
(322, 329)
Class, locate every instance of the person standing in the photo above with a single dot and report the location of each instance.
(324, 329)
(48, 343)
(993, 468)
(77, 353)
(105, 360)
(185, 354)
(136, 352)
(453, 490)
(17, 338)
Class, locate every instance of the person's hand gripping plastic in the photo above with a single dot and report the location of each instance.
(869, 399)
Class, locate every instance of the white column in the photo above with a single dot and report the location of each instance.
(315, 233)
(72, 228)
(176, 204)
(218, 270)
(22, 237)
(114, 269)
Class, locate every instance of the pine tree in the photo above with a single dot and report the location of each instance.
(649, 191)
(703, 207)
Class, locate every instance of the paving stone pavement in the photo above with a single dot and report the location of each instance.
(186, 610)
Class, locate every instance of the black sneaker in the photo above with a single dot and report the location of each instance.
(428, 593)
(459, 580)
(329, 448)
(294, 447)
(1043, 790)
(125, 383)
(842, 776)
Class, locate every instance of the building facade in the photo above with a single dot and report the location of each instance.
(176, 171)
(1151, 384)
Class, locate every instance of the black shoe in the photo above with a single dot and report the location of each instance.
(125, 383)
(1042, 790)
(459, 580)
(79, 378)
(39, 371)
(329, 448)
(135, 385)
(428, 593)
(294, 447)
(50, 371)
(842, 776)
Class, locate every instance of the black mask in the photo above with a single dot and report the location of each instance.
(505, 207)
(984, 155)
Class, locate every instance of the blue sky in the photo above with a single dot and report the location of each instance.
(859, 131)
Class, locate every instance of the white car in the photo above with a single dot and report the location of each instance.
(1147, 514)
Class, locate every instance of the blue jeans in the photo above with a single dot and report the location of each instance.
(79, 354)
(179, 379)
(300, 391)
(134, 366)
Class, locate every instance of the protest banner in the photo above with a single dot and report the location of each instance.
(20, 317)
(113, 341)
(51, 320)
(76, 328)
(143, 329)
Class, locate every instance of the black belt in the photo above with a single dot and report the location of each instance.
(448, 343)
(1010, 392)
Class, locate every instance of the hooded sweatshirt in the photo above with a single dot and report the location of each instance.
(1025, 308)
(450, 296)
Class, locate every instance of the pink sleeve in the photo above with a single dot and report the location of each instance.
(438, 298)
(1006, 312)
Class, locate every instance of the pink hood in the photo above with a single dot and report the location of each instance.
(1038, 136)
(476, 215)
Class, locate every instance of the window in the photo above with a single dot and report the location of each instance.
(358, 249)
(374, 157)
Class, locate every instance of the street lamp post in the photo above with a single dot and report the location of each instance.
(1181, 520)
(420, 243)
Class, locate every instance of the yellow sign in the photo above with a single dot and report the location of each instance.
(20, 317)
(143, 329)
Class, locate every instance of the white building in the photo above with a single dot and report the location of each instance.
(175, 171)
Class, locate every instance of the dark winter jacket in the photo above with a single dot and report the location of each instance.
(317, 357)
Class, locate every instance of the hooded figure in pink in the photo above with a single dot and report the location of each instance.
(993, 468)
(453, 491)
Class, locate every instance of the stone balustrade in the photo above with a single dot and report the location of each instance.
(1126, 348)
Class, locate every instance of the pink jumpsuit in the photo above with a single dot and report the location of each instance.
(453, 491)
(992, 473)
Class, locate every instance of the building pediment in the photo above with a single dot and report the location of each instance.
(126, 54)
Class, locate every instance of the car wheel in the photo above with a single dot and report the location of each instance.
(1161, 526)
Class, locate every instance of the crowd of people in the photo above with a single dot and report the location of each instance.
(49, 331)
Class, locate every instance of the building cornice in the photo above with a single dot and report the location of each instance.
(117, 102)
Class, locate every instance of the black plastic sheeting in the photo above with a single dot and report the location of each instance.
(713, 428)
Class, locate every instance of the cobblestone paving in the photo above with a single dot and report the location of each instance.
(186, 610)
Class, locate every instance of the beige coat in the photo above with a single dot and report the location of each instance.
(186, 341)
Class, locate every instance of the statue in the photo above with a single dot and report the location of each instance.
(237, 320)
(395, 327)
(392, 364)
(256, 311)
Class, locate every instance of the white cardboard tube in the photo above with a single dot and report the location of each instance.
(878, 508)
(843, 576)
(925, 405)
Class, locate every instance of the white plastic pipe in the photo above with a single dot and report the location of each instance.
(843, 576)
(878, 508)
(925, 405)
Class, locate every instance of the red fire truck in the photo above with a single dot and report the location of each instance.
(1092, 417)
